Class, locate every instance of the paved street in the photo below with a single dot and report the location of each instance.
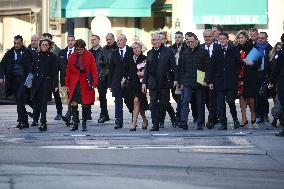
(108, 158)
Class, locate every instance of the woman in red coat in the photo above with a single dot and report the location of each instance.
(81, 78)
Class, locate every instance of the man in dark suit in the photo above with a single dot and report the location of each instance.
(216, 29)
(119, 61)
(63, 56)
(160, 62)
(223, 74)
(15, 66)
(211, 99)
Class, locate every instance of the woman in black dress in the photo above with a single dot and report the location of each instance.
(136, 73)
(44, 81)
(247, 82)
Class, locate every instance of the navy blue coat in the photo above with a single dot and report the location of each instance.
(166, 66)
(118, 69)
(224, 70)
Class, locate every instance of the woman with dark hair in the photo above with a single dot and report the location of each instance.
(247, 78)
(81, 78)
(44, 81)
(136, 74)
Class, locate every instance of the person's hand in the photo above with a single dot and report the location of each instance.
(175, 83)
(204, 83)
(56, 89)
(249, 63)
(67, 89)
(211, 86)
(144, 88)
(270, 86)
(110, 90)
(1, 80)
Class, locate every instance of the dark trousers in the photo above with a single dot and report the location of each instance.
(211, 103)
(20, 91)
(102, 89)
(159, 98)
(187, 93)
(228, 96)
(118, 105)
(193, 104)
(58, 102)
(167, 108)
(177, 98)
(262, 104)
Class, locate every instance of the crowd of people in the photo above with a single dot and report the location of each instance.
(202, 75)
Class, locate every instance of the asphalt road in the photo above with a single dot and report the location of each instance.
(108, 158)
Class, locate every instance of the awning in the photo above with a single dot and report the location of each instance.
(110, 8)
(230, 12)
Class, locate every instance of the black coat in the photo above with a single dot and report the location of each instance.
(277, 76)
(119, 69)
(135, 83)
(224, 70)
(166, 65)
(6, 68)
(45, 75)
(97, 56)
(191, 60)
(62, 64)
(215, 47)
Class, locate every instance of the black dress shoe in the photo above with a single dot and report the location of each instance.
(236, 124)
(209, 125)
(66, 120)
(132, 129)
(22, 125)
(161, 125)
(34, 124)
(280, 134)
(43, 127)
(74, 127)
(154, 129)
(103, 119)
(58, 117)
(118, 126)
(174, 124)
(274, 123)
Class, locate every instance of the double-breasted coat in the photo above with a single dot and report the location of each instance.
(73, 76)
(45, 73)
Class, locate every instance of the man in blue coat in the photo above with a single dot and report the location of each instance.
(223, 74)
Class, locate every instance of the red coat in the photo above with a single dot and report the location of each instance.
(73, 75)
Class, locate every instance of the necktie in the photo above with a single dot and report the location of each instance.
(224, 51)
(69, 53)
(121, 54)
(208, 48)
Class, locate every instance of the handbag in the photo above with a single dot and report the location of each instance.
(90, 81)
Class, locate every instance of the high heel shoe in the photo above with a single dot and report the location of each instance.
(245, 124)
(133, 128)
(145, 125)
(253, 122)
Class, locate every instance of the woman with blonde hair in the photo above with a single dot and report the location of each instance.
(136, 73)
(247, 81)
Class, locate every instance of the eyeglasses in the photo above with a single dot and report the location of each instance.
(47, 45)
(261, 37)
(79, 49)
